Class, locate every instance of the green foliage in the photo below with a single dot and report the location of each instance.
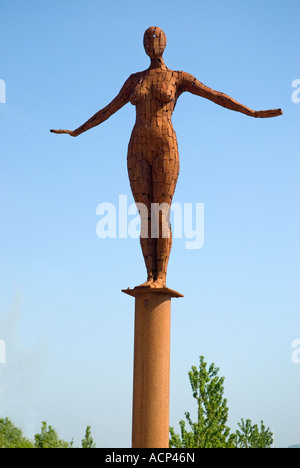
(250, 436)
(11, 436)
(48, 438)
(210, 429)
(88, 441)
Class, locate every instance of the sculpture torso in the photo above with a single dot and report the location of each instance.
(157, 83)
(154, 96)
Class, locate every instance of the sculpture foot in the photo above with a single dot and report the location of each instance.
(159, 283)
(147, 284)
(151, 283)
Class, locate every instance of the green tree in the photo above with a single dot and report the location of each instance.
(250, 436)
(11, 436)
(210, 430)
(48, 438)
(88, 441)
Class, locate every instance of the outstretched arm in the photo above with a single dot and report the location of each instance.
(119, 101)
(192, 85)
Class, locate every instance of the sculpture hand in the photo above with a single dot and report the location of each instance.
(68, 132)
(267, 113)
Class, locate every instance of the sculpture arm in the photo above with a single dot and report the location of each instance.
(192, 85)
(117, 103)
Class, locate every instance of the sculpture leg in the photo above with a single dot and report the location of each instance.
(165, 170)
(163, 254)
(148, 246)
(140, 176)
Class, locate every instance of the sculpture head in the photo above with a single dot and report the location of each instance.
(155, 42)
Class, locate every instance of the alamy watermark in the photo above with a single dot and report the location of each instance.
(2, 352)
(2, 92)
(296, 353)
(187, 221)
(296, 93)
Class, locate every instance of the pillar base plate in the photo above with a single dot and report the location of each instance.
(138, 291)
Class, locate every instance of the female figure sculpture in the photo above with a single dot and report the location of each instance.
(153, 160)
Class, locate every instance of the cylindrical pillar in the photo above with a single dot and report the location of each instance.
(151, 379)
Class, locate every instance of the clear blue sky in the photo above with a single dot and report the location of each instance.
(67, 326)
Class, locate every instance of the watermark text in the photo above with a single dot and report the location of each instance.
(2, 92)
(137, 220)
(296, 93)
(296, 352)
(2, 352)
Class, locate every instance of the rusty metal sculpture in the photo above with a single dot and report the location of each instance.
(153, 161)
